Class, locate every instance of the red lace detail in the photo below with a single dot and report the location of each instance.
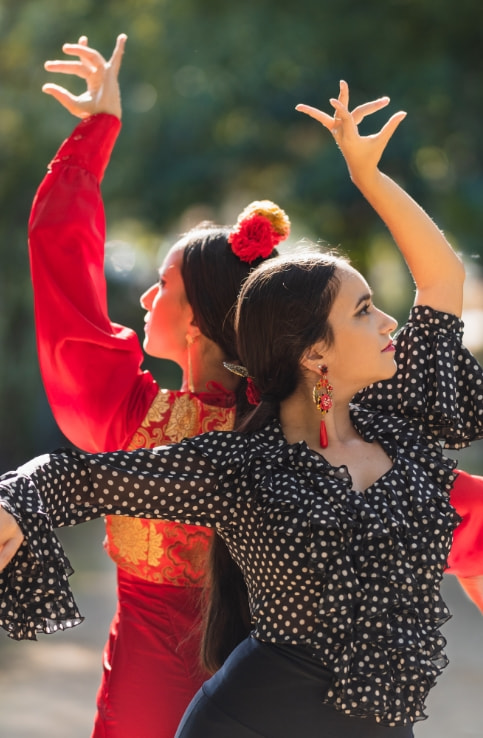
(217, 395)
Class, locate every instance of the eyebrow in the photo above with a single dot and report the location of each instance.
(163, 272)
(363, 298)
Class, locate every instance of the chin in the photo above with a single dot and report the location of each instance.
(388, 374)
(148, 349)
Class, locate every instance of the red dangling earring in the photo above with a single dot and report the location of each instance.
(322, 394)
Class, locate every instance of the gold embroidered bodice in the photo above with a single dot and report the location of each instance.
(155, 550)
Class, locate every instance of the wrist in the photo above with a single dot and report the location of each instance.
(90, 144)
(366, 180)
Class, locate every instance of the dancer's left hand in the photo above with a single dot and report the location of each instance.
(361, 153)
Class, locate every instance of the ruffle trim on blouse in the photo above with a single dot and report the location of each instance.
(380, 557)
(442, 382)
(382, 610)
(36, 596)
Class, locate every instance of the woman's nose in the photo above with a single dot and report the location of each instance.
(147, 297)
(388, 324)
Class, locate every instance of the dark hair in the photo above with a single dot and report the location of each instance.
(212, 277)
(282, 310)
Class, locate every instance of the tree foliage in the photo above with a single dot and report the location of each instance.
(209, 90)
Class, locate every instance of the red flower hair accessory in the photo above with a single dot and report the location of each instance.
(259, 228)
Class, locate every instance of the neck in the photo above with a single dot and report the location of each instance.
(301, 420)
(205, 366)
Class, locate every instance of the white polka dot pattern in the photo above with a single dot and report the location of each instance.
(353, 578)
(438, 379)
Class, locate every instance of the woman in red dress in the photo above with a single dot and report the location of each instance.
(102, 400)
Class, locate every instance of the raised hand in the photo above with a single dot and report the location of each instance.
(10, 537)
(102, 94)
(362, 153)
(437, 271)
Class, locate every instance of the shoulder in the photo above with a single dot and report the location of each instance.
(174, 415)
(235, 449)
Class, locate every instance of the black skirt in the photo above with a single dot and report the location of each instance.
(266, 691)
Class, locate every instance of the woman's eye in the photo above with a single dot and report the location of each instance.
(365, 310)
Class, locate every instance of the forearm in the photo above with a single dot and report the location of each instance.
(436, 269)
(101, 409)
(67, 235)
(70, 487)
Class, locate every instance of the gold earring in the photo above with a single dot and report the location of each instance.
(189, 343)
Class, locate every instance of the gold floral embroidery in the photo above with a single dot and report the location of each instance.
(221, 420)
(196, 555)
(131, 538)
(159, 407)
(147, 438)
(157, 550)
(183, 421)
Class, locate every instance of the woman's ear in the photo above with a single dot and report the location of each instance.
(192, 333)
(312, 358)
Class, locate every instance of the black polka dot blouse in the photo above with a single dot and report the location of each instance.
(351, 577)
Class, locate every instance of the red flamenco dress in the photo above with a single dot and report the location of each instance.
(102, 400)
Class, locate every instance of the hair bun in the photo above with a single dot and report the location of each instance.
(259, 228)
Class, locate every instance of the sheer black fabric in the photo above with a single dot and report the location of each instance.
(352, 578)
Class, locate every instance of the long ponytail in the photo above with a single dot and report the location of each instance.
(294, 295)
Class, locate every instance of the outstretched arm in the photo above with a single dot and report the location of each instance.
(90, 366)
(176, 482)
(437, 270)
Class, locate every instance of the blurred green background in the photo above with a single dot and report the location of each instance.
(209, 90)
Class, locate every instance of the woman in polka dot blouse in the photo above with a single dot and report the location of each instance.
(332, 497)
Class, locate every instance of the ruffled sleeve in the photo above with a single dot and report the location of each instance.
(35, 592)
(438, 381)
(181, 482)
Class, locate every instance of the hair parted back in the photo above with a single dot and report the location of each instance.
(212, 277)
(289, 302)
(217, 260)
(282, 310)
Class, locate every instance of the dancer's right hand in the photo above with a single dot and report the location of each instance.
(102, 94)
(10, 537)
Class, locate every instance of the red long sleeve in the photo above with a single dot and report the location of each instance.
(466, 555)
(90, 366)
